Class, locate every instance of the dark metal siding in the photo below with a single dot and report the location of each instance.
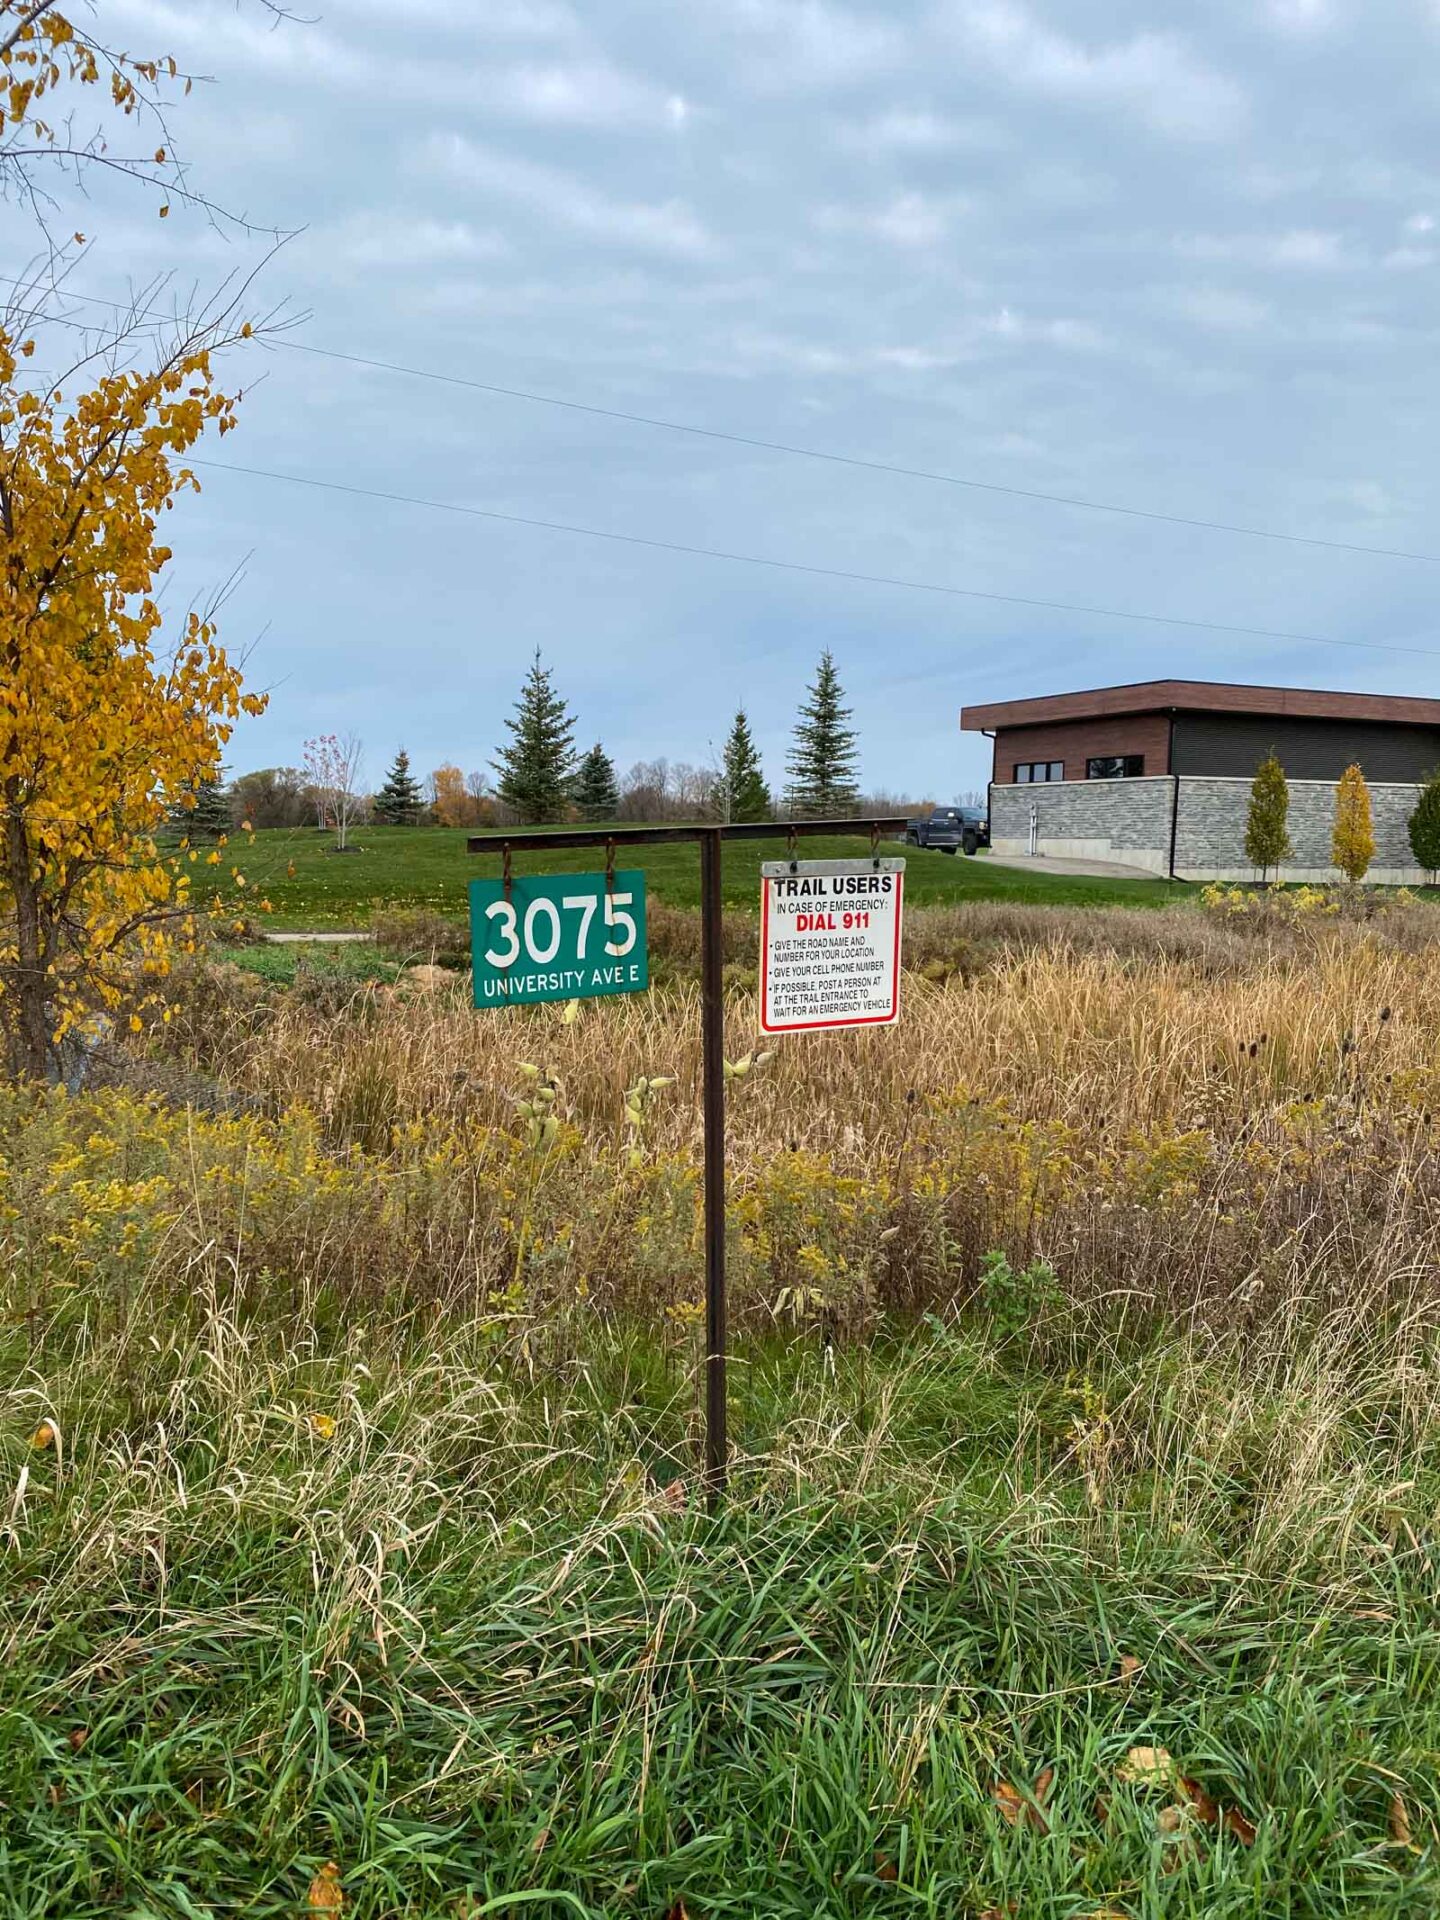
(1235, 743)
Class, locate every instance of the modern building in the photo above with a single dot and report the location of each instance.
(1157, 776)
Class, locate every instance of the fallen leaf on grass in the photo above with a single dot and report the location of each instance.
(43, 1436)
(885, 1868)
(1372, 1613)
(1016, 1809)
(1237, 1825)
(1199, 1801)
(677, 1912)
(326, 1894)
(541, 1841)
(1130, 1667)
(1399, 1821)
(77, 1737)
(675, 1496)
(1147, 1767)
(322, 1425)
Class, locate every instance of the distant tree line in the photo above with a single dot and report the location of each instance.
(539, 776)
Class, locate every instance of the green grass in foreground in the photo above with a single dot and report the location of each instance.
(429, 867)
(462, 1646)
(280, 964)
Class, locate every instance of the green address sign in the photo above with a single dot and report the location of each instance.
(559, 936)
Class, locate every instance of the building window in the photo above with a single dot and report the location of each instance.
(1115, 766)
(1029, 771)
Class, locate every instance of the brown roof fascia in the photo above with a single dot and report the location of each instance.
(1201, 696)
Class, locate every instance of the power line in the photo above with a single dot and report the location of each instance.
(819, 453)
(798, 566)
(855, 460)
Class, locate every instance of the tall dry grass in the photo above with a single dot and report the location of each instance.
(349, 1443)
(1195, 1121)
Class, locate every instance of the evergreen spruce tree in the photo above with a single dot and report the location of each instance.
(399, 802)
(596, 791)
(1425, 827)
(822, 763)
(745, 791)
(1352, 842)
(536, 766)
(1267, 839)
(210, 816)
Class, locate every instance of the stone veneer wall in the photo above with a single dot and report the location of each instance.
(1128, 821)
(1210, 831)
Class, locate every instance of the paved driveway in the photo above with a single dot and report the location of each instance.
(1056, 864)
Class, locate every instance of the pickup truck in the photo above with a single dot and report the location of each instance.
(950, 829)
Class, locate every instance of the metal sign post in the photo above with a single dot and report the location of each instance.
(711, 841)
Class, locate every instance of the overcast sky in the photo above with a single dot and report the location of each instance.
(1181, 258)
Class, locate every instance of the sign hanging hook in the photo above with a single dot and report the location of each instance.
(610, 864)
(790, 851)
(875, 844)
(506, 870)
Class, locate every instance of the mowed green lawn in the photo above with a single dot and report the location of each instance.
(310, 885)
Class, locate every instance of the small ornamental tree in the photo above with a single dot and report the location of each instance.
(535, 768)
(101, 732)
(1267, 839)
(1352, 842)
(1425, 827)
(823, 757)
(454, 805)
(398, 803)
(332, 766)
(746, 795)
(596, 791)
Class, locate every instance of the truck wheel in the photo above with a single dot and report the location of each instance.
(971, 843)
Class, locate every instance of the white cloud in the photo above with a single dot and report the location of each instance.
(915, 359)
(1403, 259)
(379, 239)
(662, 227)
(1154, 74)
(1307, 248)
(804, 44)
(504, 19)
(590, 94)
(1301, 16)
(1303, 248)
(1222, 309)
(917, 130)
(1370, 497)
(1420, 223)
(909, 220)
(1075, 336)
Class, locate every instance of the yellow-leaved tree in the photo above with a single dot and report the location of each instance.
(55, 58)
(1352, 840)
(101, 729)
